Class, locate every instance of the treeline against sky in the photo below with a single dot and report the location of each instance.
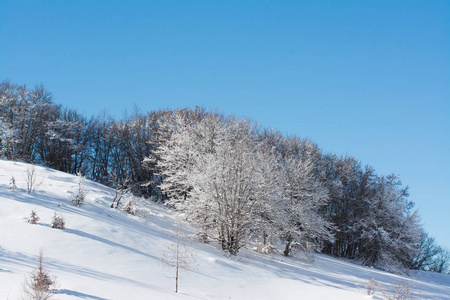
(237, 182)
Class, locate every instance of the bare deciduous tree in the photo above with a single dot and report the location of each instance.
(371, 286)
(31, 179)
(121, 187)
(178, 256)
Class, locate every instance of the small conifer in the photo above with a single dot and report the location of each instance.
(58, 221)
(34, 219)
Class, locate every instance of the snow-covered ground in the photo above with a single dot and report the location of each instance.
(105, 253)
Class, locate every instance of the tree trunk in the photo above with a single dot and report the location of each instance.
(176, 280)
(178, 263)
(288, 246)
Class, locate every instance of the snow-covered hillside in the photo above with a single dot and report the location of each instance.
(105, 253)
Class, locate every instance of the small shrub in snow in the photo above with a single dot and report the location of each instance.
(34, 219)
(79, 197)
(129, 207)
(12, 184)
(58, 221)
(39, 285)
(264, 249)
(141, 207)
(371, 286)
(402, 290)
(32, 182)
(202, 236)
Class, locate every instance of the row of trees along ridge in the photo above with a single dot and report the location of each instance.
(236, 181)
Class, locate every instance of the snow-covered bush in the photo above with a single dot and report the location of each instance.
(140, 207)
(202, 236)
(129, 207)
(58, 221)
(12, 184)
(371, 286)
(402, 290)
(34, 219)
(264, 248)
(39, 285)
(79, 197)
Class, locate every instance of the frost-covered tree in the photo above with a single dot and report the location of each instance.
(300, 223)
(268, 195)
(176, 150)
(442, 262)
(386, 229)
(23, 113)
(431, 256)
(373, 217)
(176, 164)
(208, 169)
(428, 250)
(13, 113)
(225, 184)
(182, 161)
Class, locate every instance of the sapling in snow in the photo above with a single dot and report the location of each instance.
(371, 286)
(39, 285)
(120, 188)
(79, 197)
(129, 207)
(178, 256)
(31, 179)
(12, 184)
(34, 219)
(58, 221)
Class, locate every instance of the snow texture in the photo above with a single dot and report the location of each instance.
(105, 253)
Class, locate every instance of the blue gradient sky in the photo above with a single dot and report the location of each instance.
(366, 78)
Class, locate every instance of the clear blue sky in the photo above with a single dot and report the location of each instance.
(367, 78)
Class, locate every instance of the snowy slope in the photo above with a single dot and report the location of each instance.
(107, 254)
